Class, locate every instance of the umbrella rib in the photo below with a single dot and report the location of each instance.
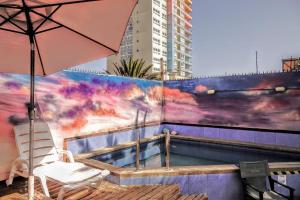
(54, 11)
(39, 54)
(10, 6)
(65, 3)
(11, 17)
(9, 30)
(49, 29)
(16, 25)
(70, 29)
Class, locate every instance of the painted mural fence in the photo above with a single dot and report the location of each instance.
(75, 104)
(249, 101)
(79, 104)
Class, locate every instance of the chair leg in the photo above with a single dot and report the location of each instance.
(43, 182)
(61, 194)
(10, 179)
(99, 183)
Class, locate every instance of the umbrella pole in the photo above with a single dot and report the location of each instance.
(31, 114)
(31, 107)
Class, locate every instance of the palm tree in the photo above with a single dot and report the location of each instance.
(133, 68)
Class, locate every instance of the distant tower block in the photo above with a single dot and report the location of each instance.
(159, 29)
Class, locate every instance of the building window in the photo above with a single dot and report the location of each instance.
(156, 41)
(164, 44)
(156, 21)
(157, 60)
(156, 50)
(157, 31)
(156, 69)
(157, 12)
(164, 34)
(156, 2)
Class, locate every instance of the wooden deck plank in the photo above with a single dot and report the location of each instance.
(183, 197)
(191, 197)
(147, 191)
(106, 196)
(150, 194)
(79, 195)
(164, 192)
(91, 195)
(174, 196)
(110, 191)
(201, 197)
(140, 193)
(129, 194)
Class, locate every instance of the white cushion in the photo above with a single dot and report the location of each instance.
(69, 173)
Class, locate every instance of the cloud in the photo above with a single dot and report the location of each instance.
(201, 88)
(77, 124)
(133, 92)
(154, 95)
(175, 95)
(82, 89)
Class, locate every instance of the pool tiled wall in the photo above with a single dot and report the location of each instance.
(86, 144)
(217, 186)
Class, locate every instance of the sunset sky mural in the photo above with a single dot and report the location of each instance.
(75, 104)
(248, 101)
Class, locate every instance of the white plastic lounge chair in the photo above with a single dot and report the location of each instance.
(47, 165)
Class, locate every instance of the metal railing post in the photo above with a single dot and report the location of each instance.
(167, 140)
(138, 140)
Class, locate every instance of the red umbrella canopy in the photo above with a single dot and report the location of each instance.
(66, 32)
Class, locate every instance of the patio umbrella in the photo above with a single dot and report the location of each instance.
(39, 37)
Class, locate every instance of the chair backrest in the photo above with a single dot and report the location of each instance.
(255, 173)
(44, 148)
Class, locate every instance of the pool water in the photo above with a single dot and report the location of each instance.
(190, 153)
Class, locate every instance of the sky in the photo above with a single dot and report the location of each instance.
(227, 33)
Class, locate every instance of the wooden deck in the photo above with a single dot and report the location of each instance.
(106, 191)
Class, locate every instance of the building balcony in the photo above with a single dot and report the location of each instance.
(183, 44)
(188, 17)
(188, 55)
(187, 8)
(188, 25)
(188, 63)
(188, 2)
(187, 32)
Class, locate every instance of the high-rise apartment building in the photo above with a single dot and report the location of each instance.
(159, 30)
(179, 38)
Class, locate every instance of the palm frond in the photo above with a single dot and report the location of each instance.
(134, 68)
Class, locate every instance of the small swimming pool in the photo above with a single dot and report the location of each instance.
(192, 153)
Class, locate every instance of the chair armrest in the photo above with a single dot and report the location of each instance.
(67, 153)
(261, 193)
(25, 162)
(291, 190)
(275, 181)
(19, 161)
